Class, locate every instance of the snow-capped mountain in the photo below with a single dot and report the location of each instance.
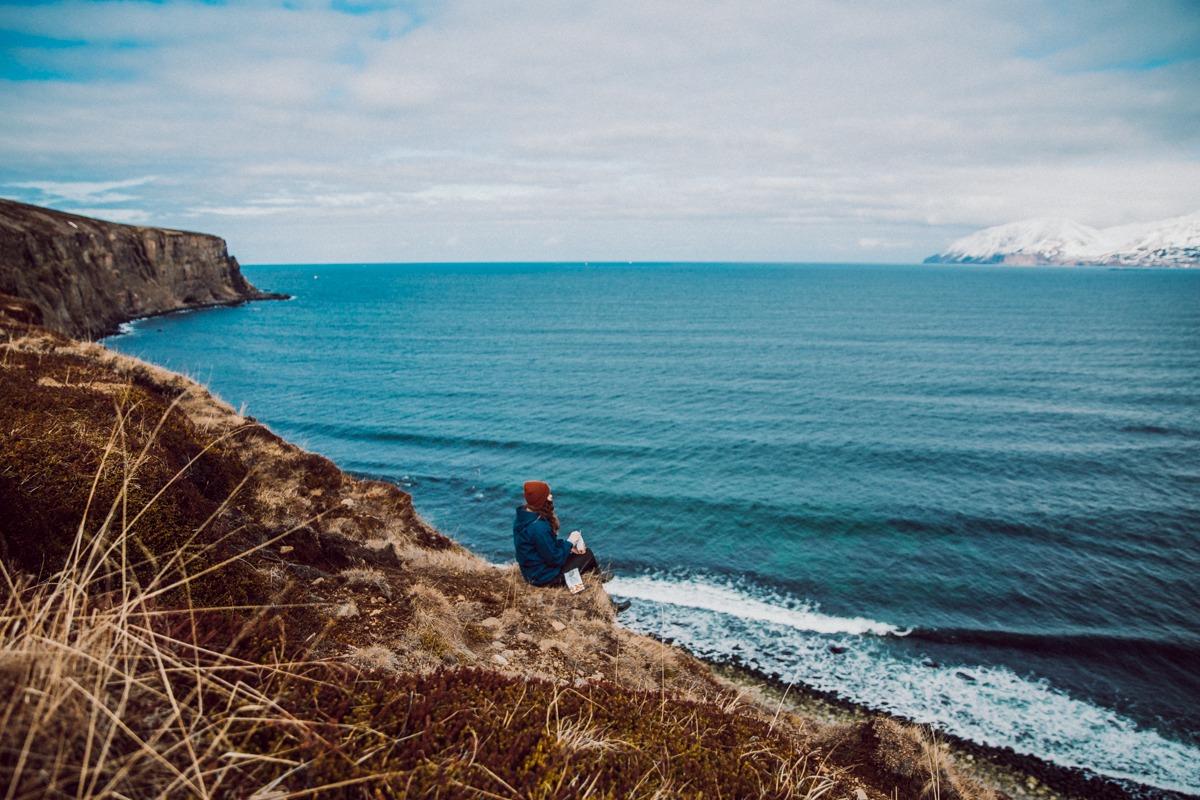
(1167, 243)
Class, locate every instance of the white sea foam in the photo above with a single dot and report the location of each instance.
(123, 329)
(724, 599)
(991, 705)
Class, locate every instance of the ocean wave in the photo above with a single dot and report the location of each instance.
(1079, 645)
(936, 524)
(1160, 430)
(992, 705)
(726, 599)
(1000, 456)
(368, 433)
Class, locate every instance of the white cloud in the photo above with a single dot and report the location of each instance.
(871, 243)
(485, 193)
(84, 191)
(242, 211)
(782, 130)
(129, 216)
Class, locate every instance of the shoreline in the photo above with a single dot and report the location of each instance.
(118, 329)
(1018, 775)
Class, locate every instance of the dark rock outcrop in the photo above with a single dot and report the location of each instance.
(87, 276)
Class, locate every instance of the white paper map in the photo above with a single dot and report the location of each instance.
(574, 580)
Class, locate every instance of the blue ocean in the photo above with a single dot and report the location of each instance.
(968, 495)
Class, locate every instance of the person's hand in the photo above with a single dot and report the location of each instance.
(577, 545)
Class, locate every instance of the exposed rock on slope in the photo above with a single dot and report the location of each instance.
(1166, 243)
(87, 276)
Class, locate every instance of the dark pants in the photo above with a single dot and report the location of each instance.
(584, 562)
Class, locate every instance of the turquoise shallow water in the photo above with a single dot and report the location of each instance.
(983, 483)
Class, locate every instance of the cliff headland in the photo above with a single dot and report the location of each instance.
(87, 276)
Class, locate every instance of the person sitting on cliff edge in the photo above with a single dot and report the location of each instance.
(544, 558)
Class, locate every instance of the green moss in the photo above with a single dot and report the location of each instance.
(432, 642)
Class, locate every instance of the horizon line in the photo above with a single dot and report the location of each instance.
(688, 262)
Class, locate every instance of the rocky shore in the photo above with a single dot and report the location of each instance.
(1017, 775)
(87, 276)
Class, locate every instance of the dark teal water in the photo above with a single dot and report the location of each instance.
(983, 483)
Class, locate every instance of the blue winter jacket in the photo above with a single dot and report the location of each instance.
(540, 553)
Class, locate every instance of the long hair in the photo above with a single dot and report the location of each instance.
(546, 512)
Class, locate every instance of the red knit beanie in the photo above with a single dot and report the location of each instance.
(536, 493)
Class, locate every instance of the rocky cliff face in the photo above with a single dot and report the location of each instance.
(87, 276)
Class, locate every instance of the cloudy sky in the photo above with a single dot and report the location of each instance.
(368, 130)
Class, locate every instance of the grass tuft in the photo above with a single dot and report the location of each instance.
(366, 579)
(373, 658)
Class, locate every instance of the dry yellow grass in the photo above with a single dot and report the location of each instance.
(373, 657)
(366, 579)
(103, 699)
